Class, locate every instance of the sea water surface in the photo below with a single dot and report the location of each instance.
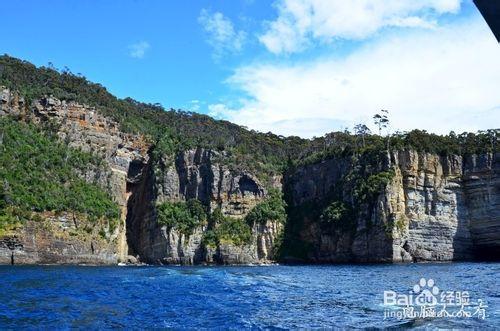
(256, 297)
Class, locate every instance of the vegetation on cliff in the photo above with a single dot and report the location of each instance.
(184, 216)
(271, 209)
(260, 152)
(342, 144)
(226, 230)
(233, 231)
(351, 198)
(338, 214)
(39, 173)
(354, 196)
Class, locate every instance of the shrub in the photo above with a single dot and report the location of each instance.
(334, 213)
(271, 209)
(40, 173)
(233, 231)
(210, 239)
(226, 230)
(366, 190)
(166, 145)
(3, 202)
(182, 216)
(11, 218)
(338, 215)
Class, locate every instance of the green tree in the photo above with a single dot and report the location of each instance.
(271, 209)
(381, 120)
(234, 231)
(362, 131)
(41, 173)
(182, 216)
(334, 212)
(226, 230)
(3, 196)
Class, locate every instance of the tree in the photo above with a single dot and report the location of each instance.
(3, 196)
(183, 216)
(381, 120)
(271, 209)
(492, 137)
(362, 130)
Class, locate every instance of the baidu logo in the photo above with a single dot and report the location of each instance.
(425, 299)
(426, 292)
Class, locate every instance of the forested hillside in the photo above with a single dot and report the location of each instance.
(267, 150)
(182, 187)
(40, 173)
(258, 151)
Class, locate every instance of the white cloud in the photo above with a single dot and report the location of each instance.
(138, 50)
(439, 80)
(194, 105)
(301, 21)
(218, 110)
(221, 34)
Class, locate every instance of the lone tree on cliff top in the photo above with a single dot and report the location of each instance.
(381, 120)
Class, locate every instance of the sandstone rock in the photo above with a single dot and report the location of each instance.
(83, 127)
(49, 242)
(196, 174)
(434, 209)
(446, 208)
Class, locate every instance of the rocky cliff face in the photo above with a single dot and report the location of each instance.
(59, 239)
(84, 128)
(196, 174)
(433, 209)
(451, 207)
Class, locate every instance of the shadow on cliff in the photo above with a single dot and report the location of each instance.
(141, 193)
(482, 198)
(462, 240)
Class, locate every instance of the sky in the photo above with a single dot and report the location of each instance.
(293, 67)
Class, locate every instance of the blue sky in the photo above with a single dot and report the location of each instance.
(302, 67)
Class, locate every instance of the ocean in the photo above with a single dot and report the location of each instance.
(250, 297)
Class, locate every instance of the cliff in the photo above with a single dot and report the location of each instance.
(59, 239)
(81, 127)
(202, 175)
(432, 208)
(137, 184)
(377, 206)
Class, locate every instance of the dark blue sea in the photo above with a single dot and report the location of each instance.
(257, 297)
